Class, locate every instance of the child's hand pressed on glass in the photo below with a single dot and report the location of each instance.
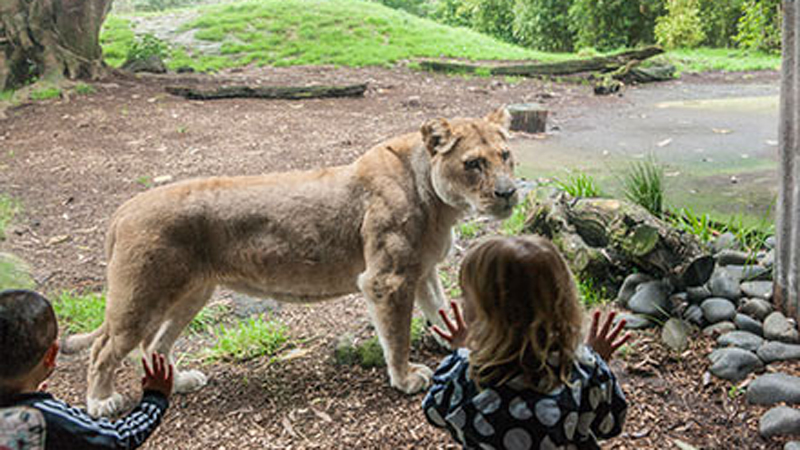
(160, 377)
(457, 330)
(605, 342)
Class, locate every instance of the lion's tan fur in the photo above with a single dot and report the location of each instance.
(379, 225)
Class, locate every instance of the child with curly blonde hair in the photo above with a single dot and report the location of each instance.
(519, 377)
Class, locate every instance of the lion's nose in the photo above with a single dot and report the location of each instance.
(505, 193)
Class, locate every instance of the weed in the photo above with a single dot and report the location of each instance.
(147, 46)
(14, 273)
(515, 224)
(183, 130)
(145, 181)
(247, 340)
(643, 184)
(450, 286)
(79, 312)
(84, 89)
(591, 294)
(207, 318)
(470, 229)
(579, 185)
(45, 94)
(8, 209)
(6, 96)
(750, 236)
(701, 226)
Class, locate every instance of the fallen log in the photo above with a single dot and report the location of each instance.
(268, 92)
(599, 63)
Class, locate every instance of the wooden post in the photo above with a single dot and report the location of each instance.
(787, 257)
(528, 117)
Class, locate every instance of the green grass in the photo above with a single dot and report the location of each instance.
(700, 225)
(45, 94)
(341, 32)
(79, 312)
(469, 229)
(724, 59)
(449, 284)
(8, 209)
(116, 37)
(6, 96)
(249, 339)
(84, 89)
(590, 294)
(643, 184)
(209, 316)
(14, 273)
(579, 185)
(515, 224)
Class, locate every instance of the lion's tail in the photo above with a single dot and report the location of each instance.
(78, 342)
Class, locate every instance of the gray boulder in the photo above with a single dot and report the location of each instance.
(780, 421)
(651, 299)
(778, 328)
(757, 289)
(757, 308)
(747, 323)
(723, 284)
(675, 334)
(719, 328)
(778, 351)
(698, 294)
(749, 272)
(724, 242)
(629, 287)
(635, 322)
(718, 310)
(793, 445)
(773, 388)
(769, 242)
(732, 257)
(741, 339)
(733, 363)
(694, 314)
(152, 64)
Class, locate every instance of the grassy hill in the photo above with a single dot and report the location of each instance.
(310, 32)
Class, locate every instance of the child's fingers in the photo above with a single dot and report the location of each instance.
(447, 322)
(617, 330)
(147, 372)
(607, 324)
(170, 373)
(595, 320)
(440, 332)
(163, 360)
(457, 313)
(621, 342)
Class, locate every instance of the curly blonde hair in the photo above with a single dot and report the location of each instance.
(526, 316)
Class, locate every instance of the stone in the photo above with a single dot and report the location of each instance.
(778, 328)
(718, 310)
(651, 299)
(773, 388)
(757, 289)
(629, 287)
(675, 334)
(728, 256)
(151, 64)
(634, 322)
(733, 363)
(769, 259)
(698, 294)
(694, 314)
(757, 308)
(719, 328)
(778, 351)
(741, 339)
(780, 421)
(722, 284)
(747, 323)
(793, 445)
(724, 242)
(769, 242)
(749, 273)
(246, 306)
(678, 303)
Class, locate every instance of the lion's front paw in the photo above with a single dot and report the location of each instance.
(105, 407)
(189, 381)
(418, 379)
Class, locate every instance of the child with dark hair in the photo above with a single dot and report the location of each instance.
(519, 377)
(28, 350)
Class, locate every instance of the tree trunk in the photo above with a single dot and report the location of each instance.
(528, 117)
(268, 92)
(787, 257)
(50, 39)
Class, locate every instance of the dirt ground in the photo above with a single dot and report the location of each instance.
(72, 162)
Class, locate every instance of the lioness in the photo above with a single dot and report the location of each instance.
(379, 225)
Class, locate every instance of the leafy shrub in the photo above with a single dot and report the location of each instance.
(610, 24)
(421, 8)
(494, 17)
(146, 46)
(681, 27)
(643, 184)
(159, 5)
(543, 24)
(457, 13)
(45, 93)
(760, 26)
(720, 21)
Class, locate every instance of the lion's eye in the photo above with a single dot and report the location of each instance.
(473, 164)
(505, 155)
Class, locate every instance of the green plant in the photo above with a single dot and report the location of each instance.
(720, 20)
(591, 293)
(14, 273)
(681, 27)
(249, 339)
(515, 224)
(457, 13)
(643, 184)
(147, 46)
(370, 353)
(145, 181)
(450, 286)
(420, 8)
(686, 220)
(45, 93)
(79, 312)
(84, 89)
(469, 229)
(760, 26)
(543, 24)
(159, 5)
(750, 235)
(579, 185)
(7, 96)
(610, 24)
(495, 18)
(116, 37)
(208, 317)
(8, 209)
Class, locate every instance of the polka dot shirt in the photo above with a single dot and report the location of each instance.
(511, 416)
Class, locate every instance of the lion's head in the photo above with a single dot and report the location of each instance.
(471, 163)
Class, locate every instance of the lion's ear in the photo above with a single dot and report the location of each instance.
(437, 136)
(500, 117)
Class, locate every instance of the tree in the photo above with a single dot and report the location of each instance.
(50, 39)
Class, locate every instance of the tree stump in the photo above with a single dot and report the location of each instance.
(528, 117)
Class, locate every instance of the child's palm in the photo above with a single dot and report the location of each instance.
(604, 341)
